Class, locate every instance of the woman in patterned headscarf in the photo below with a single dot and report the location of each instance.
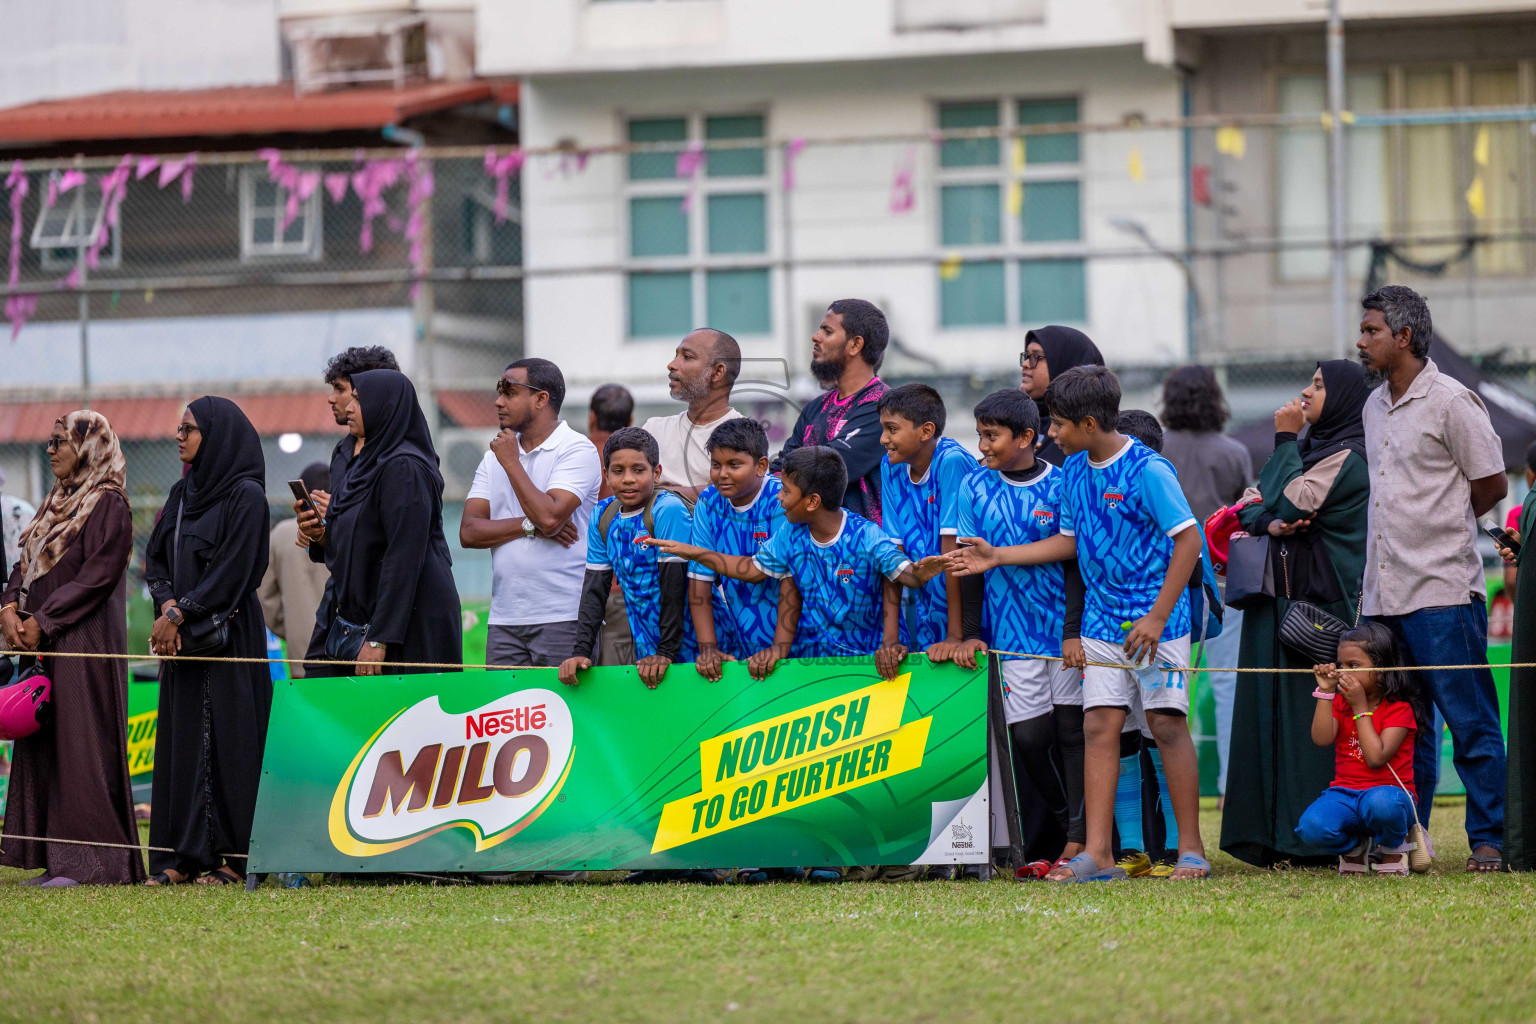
(68, 593)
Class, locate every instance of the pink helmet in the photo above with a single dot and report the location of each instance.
(25, 704)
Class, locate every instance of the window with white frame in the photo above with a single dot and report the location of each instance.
(263, 207)
(72, 224)
(697, 247)
(1010, 217)
(1411, 181)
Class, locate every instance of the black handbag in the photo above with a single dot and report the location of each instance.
(1308, 630)
(344, 640)
(1250, 573)
(205, 636)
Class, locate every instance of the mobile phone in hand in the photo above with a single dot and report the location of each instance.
(1500, 536)
(301, 494)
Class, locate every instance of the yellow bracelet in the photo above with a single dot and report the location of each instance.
(13, 606)
(1364, 714)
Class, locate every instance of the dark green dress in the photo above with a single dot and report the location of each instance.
(1275, 770)
(1520, 799)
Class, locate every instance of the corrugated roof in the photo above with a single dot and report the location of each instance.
(251, 110)
(469, 408)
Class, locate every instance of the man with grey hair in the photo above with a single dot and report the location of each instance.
(1436, 465)
(702, 373)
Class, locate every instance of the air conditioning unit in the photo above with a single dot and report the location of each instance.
(960, 15)
(358, 49)
(460, 451)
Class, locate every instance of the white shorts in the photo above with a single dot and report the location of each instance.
(1031, 686)
(1121, 687)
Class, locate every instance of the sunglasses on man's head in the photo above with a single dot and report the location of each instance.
(504, 387)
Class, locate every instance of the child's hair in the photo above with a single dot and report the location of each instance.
(1009, 408)
(631, 439)
(915, 403)
(1085, 391)
(1143, 426)
(741, 435)
(1380, 645)
(817, 470)
(1530, 457)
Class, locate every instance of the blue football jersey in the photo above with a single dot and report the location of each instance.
(1025, 604)
(840, 583)
(1123, 516)
(745, 613)
(918, 514)
(635, 566)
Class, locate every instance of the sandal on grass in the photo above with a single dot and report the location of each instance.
(1191, 862)
(1355, 861)
(1084, 868)
(164, 878)
(224, 875)
(1391, 860)
(1485, 858)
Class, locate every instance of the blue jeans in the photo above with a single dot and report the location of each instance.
(1340, 818)
(1458, 635)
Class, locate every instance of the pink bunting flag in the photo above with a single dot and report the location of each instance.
(501, 170)
(903, 194)
(336, 185)
(19, 185)
(791, 152)
(114, 189)
(18, 308)
(369, 183)
(173, 170)
(147, 165)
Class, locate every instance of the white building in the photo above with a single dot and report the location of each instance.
(624, 256)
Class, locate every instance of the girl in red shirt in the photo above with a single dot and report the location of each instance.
(1365, 711)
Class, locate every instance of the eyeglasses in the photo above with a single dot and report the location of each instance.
(54, 444)
(185, 430)
(504, 387)
(1030, 359)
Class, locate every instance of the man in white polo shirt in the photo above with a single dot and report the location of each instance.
(530, 503)
(701, 373)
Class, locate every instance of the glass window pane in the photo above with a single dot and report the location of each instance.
(1052, 292)
(656, 129)
(1049, 149)
(738, 223)
(974, 296)
(1051, 211)
(660, 305)
(658, 226)
(969, 152)
(727, 163)
(1434, 200)
(263, 228)
(736, 301)
(1499, 87)
(968, 215)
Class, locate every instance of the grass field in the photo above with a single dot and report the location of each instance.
(1246, 945)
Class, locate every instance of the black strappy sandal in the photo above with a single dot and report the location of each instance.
(164, 878)
(222, 875)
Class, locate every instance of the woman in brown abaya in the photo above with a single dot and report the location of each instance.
(68, 593)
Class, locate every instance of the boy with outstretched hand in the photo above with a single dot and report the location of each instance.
(655, 584)
(1124, 516)
(840, 576)
(735, 515)
(921, 478)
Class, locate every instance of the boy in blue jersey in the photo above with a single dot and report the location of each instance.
(1015, 500)
(920, 481)
(1137, 543)
(655, 585)
(840, 575)
(735, 515)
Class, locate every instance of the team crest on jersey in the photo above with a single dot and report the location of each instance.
(641, 537)
(1113, 498)
(932, 498)
(760, 537)
(845, 574)
(1044, 514)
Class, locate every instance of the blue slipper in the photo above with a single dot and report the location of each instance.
(1085, 869)
(1195, 862)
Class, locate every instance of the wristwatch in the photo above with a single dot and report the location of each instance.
(529, 529)
(174, 616)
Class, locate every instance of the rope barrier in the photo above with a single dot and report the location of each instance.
(445, 666)
(110, 846)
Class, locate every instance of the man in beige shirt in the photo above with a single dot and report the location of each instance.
(1435, 466)
(702, 374)
(293, 586)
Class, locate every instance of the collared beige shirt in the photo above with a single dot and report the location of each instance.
(1421, 549)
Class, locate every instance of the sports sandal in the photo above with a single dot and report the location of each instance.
(1390, 860)
(1191, 862)
(1085, 869)
(1355, 861)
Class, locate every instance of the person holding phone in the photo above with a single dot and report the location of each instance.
(294, 584)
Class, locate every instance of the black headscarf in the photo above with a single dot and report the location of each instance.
(1342, 423)
(1065, 347)
(230, 452)
(394, 428)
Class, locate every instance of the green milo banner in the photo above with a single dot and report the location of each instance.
(824, 763)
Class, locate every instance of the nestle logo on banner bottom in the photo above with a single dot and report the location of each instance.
(491, 771)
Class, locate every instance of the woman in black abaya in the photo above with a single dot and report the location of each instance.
(205, 561)
(384, 539)
(1048, 353)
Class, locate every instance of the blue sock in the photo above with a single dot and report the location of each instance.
(1128, 803)
(1170, 823)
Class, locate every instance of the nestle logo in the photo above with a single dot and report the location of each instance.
(507, 720)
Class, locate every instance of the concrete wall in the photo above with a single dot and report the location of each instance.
(840, 206)
(60, 48)
(552, 36)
